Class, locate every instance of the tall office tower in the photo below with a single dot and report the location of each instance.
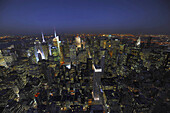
(55, 54)
(38, 49)
(61, 54)
(44, 47)
(78, 41)
(72, 53)
(56, 42)
(83, 44)
(46, 71)
(102, 63)
(49, 47)
(96, 83)
(45, 50)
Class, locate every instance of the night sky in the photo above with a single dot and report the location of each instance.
(84, 16)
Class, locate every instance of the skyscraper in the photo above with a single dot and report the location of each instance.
(72, 53)
(44, 47)
(49, 48)
(78, 41)
(38, 49)
(45, 50)
(56, 43)
(96, 83)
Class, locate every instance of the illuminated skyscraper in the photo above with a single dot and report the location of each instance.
(38, 49)
(96, 83)
(61, 53)
(102, 63)
(78, 41)
(44, 47)
(56, 43)
(49, 47)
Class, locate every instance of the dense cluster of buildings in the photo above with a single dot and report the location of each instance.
(85, 74)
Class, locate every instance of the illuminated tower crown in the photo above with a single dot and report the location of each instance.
(138, 42)
(43, 37)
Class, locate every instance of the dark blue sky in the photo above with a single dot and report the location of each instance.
(84, 16)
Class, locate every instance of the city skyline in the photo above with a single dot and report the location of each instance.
(84, 74)
(33, 17)
(84, 56)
